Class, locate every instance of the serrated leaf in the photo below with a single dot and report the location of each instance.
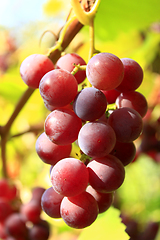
(107, 226)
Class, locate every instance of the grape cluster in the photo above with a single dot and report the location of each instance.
(20, 221)
(103, 118)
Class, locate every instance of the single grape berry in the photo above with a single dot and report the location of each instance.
(68, 61)
(127, 124)
(133, 75)
(90, 104)
(104, 200)
(49, 152)
(105, 71)
(58, 88)
(124, 151)
(106, 174)
(69, 177)
(79, 211)
(134, 100)
(34, 67)
(96, 139)
(62, 126)
(50, 202)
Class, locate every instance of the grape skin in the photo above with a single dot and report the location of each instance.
(33, 68)
(69, 177)
(133, 75)
(125, 152)
(134, 100)
(127, 124)
(67, 62)
(51, 202)
(90, 104)
(105, 71)
(111, 95)
(62, 126)
(58, 87)
(49, 152)
(79, 211)
(15, 225)
(104, 200)
(106, 174)
(96, 139)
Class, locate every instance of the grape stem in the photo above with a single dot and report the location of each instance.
(78, 68)
(61, 38)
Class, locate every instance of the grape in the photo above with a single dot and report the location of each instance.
(133, 75)
(37, 194)
(62, 126)
(34, 67)
(125, 152)
(127, 124)
(106, 174)
(111, 95)
(134, 100)
(40, 231)
(50, 202)
(90, 104)
(96, 139)
(31, 211)
(3, 187)
(105, 71)
(58, 87)
(104, 200)
(79, 211)
(69, 177)
(67, 62)
(8, 190)
(5, 208)
(50, 152)
(16, 226)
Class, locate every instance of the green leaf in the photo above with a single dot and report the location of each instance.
(107, 226)
(118, 16)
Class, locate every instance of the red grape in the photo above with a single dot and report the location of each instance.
(124, 151)
(62, 126)
(58, 88)
(133, 75)
(50, 152)
(96, 139)
(16, 226)
(134, 100)
(79, 211)
(51, 201)
(104, 200)
(90, 104)
(106, 174)
(105, 71)
(69, 177)
(34, 67)
(31, 211)
(67, 62)
(127, 124)
(111, 95)
(5, 208)
(40, 231)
